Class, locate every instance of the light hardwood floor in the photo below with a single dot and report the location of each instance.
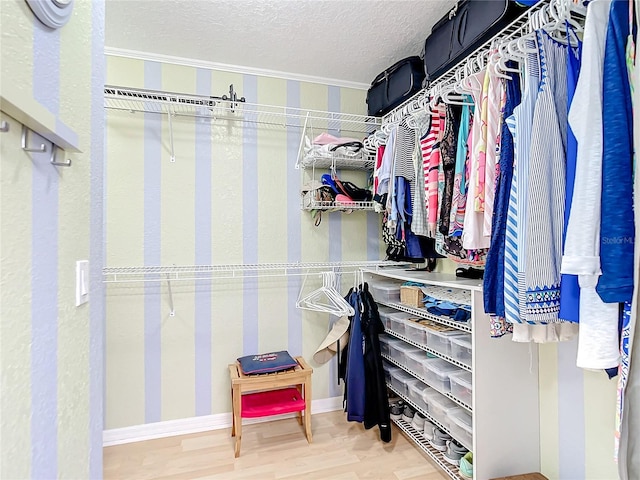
(340, 450)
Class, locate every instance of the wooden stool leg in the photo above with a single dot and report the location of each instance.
(237, 419)
(307, 408)
(233, 417)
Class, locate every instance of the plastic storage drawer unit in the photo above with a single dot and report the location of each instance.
(437, 374)
(416, 391)
(461, 348)
(398, 320)
(460, 426)
(441, 341)
(402, 350)
(384, 316)
(439, 406)
(461, 387)
(385, 292)
(415, 361)
(400, 380)
(384, 344)
(415, 331)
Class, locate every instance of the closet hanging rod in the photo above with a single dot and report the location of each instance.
(516, 28)
(210, 272)
(202, 106)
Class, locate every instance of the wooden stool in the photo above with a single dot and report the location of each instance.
(274, 398)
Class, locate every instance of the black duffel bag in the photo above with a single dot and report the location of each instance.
(463, 29)
(395, 85)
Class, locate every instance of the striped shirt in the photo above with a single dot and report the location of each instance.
(546, 193)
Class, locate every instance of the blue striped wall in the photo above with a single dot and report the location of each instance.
(52, 388)
(232, 196)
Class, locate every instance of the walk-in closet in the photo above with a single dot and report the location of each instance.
(319, 240)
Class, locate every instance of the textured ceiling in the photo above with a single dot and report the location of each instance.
(348, 40)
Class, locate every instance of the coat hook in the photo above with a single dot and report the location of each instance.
(4, 126)
(54, 149)
(41, 148)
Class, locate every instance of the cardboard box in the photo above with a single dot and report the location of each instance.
(412, 296)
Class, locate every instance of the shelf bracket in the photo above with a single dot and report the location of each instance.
(304, 131)
(172, 311)
(173, 155)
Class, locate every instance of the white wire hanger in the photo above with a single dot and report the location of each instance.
(326, 298)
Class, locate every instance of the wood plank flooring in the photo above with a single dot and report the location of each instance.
(340, 450)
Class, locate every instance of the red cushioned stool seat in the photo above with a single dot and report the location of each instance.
(273, 402)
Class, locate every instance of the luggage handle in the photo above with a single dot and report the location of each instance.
(462, 25)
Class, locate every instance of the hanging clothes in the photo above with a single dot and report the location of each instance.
(448, 165)
(355, 373)
(459, 196)
(419, 221)
(472, 236)
(493, 290)
(629, 378)
(376, 411)
(617, 234)
(546, 179)
(495, 105)
(598, 346)
(569, 287)
(520, 126)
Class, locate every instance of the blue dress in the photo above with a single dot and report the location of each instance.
(569, 288)
(617, 230)
(494, 268)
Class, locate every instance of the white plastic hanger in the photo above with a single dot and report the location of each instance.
(326, 298)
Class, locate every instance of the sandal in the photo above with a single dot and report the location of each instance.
(472, 273)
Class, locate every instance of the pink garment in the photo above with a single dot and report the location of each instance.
(472, 237)
(429, 146)
(328, 139)
(495, 96)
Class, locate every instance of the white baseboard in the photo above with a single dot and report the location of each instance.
(183, 426)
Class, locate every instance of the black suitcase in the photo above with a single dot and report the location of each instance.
(464, 29)
(396, 84)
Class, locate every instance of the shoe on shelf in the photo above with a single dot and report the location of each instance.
(466, 465)
(408, 414)
(418, 422)
(395, 411)
(454, 452)
(428, 429)
(439, 440)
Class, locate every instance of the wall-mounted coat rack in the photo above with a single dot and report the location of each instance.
(41, 148)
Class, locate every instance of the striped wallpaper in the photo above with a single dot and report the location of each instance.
(51, 352)
(232, 196)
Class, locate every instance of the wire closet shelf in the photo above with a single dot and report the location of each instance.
(212, 272)
(136, 100)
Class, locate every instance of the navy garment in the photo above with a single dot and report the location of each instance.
(617, 228)
(493, 290)
(569, 288)
(376, 403)
(354, 381)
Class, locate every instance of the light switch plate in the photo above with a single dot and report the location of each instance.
(82, 282)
